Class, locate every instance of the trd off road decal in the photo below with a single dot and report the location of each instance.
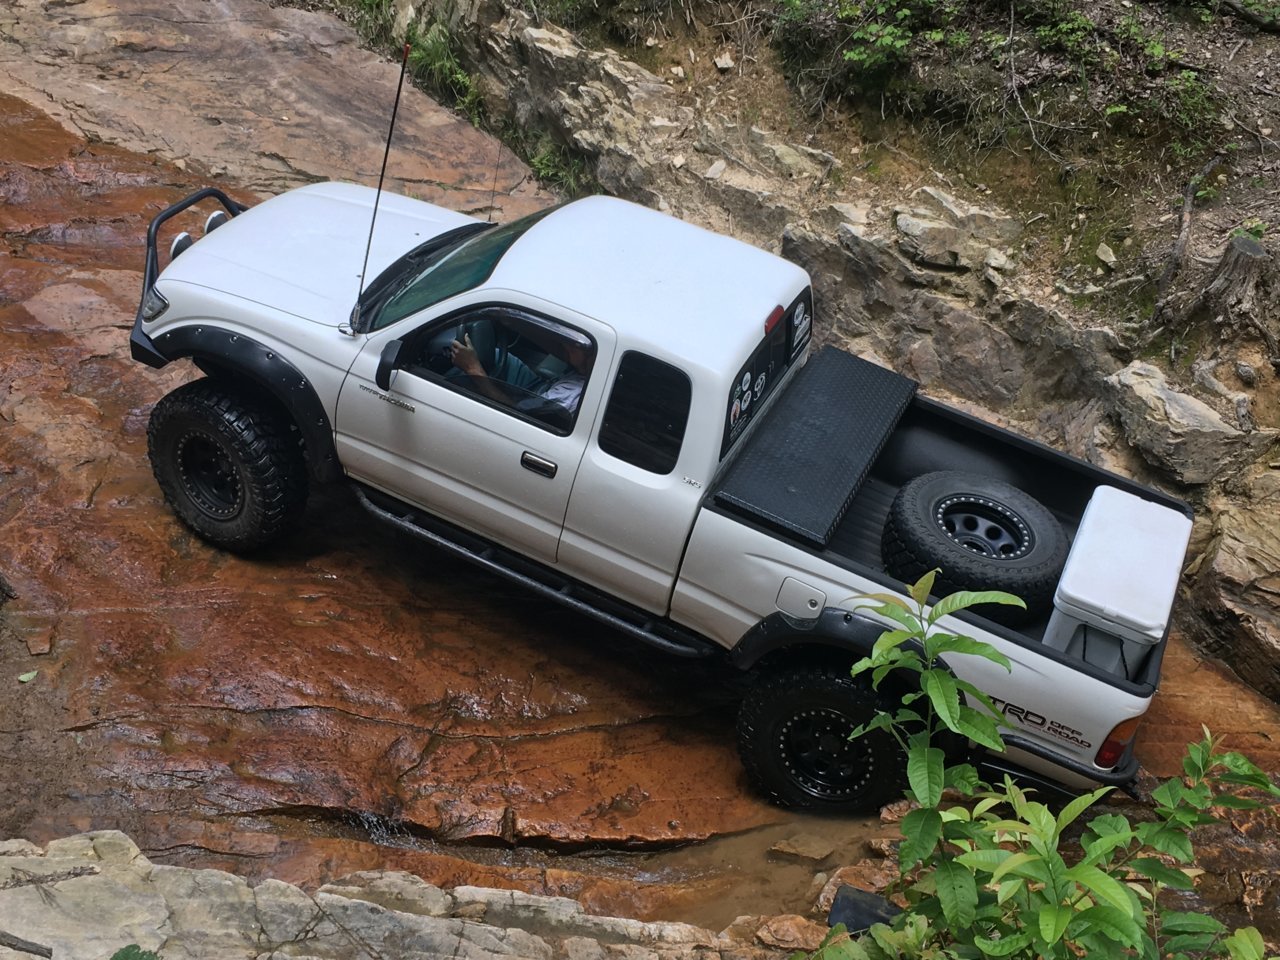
(1037, 721)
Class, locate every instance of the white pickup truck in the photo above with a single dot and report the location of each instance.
(622, 412)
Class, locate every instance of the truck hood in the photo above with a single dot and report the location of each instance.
(301, 252)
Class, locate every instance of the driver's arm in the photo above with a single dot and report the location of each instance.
(463, 356)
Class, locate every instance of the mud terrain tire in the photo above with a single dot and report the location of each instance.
(793, 736)
(227, 464)
(983, 534)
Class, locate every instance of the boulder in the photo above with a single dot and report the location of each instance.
(1177, 432)
(1236, 583)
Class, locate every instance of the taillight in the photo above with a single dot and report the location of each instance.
(771, 321)
(1117, 742)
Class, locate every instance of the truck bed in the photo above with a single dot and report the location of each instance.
(823, 468)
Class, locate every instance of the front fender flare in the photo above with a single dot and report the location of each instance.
(219, 352)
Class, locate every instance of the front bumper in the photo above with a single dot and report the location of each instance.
(141, 347)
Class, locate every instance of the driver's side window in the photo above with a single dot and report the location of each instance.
(529, 365)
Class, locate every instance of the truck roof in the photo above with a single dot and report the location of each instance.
(662, 284)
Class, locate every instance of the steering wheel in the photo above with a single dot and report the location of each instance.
(490, 340)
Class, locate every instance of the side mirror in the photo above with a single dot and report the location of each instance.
(389, 361)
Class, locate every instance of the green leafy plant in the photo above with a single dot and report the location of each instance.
(1252, 227)
(988, 871)
(134, 952)
(434, 64)
(560, 168)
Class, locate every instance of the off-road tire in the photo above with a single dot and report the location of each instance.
(1024, 556)
(793, 737)
(227, 463)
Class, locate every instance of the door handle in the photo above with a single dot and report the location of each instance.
(538, 464)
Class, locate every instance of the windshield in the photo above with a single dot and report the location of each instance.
(449, 271)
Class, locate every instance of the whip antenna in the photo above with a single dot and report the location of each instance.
(494, 192)
(404, 63)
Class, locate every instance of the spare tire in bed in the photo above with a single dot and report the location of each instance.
(983, 534)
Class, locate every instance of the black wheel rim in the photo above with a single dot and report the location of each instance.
(209, 476)
(819, 756)
(984, 527)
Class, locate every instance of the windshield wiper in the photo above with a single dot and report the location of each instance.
(402, 271)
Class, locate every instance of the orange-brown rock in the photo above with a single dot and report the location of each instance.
(282, 713)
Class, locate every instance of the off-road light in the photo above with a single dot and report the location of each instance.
(1117, 741)
(180, 243)
(153, 304)
(215, 220)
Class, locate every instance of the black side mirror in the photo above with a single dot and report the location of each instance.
(389, 361)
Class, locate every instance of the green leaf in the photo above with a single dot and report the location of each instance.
(1053, 919)
(924, 773)
(944, 643)
(988, 860)
(921, 589)
(879, 722)
(1078, 806)
(889, 640)
(1153, 869)
(1015, 865)
(980, 729)
(941, 688)
(27, 677)
(962, 777)
(1005, 945)
(1184, 942)
(1166, 839)
(1041, 821)
(1104, 887)
(1245, 944)
(1116, 925)
(964, 599)
(1176, 922)
(957, 892)
(921, 830)
(1009, 888)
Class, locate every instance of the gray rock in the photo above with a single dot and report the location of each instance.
(715, 171)
(724, 62)
(1237, 613)
(1106, 255)
(850, 213)
(1178, 432)
(397, 890)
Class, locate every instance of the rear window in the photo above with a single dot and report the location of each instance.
(784, 340)
(647, 413)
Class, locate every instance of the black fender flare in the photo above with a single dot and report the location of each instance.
(836, 628)
(221, 353)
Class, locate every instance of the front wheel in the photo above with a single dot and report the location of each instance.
(793, 736)
(227, 464)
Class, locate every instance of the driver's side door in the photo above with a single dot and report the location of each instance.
(434, 440)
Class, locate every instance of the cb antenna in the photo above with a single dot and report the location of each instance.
(404, 63)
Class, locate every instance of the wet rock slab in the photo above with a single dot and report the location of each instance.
(270, 97)
(352, 688)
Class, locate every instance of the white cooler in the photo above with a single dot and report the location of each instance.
(1113, 601)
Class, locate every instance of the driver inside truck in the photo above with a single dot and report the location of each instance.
(508, 380)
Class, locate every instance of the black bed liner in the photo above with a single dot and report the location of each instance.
(805, 463)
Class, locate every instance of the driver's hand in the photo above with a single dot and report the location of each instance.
(463, 355)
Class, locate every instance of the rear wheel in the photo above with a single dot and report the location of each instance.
(793, 736)
(227, 463)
